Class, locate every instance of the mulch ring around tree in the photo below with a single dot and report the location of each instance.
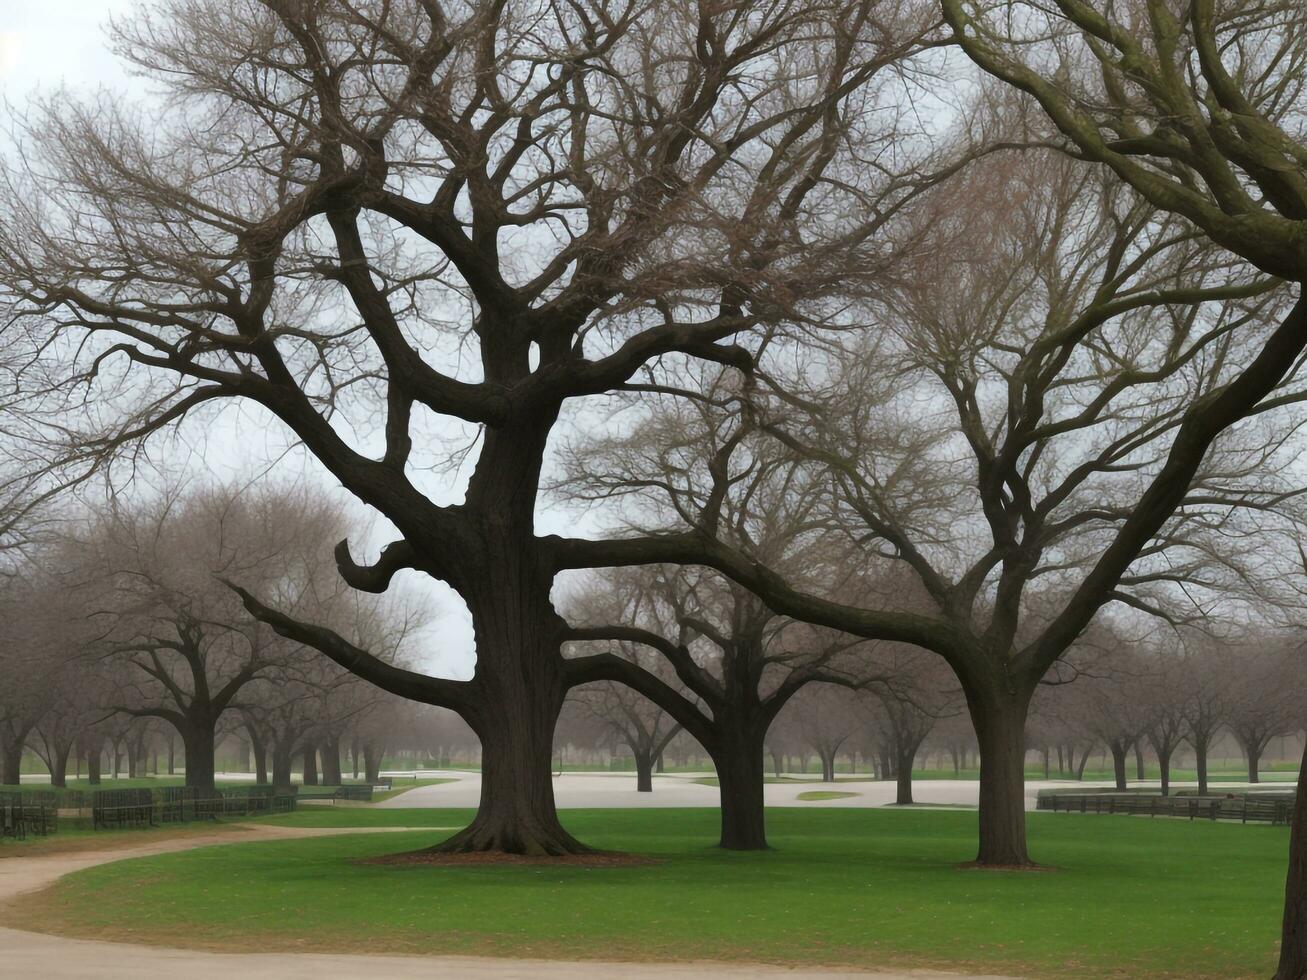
(436, 859)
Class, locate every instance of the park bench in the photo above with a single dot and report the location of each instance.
(1259, 808)
(120, 808)
(360, 792)
(28, 813)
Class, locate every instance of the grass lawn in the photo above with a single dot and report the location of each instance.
(1130, 897)
(405, 786)
(817, 795)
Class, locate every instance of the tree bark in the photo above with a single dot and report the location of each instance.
(643, 771)
(259, 749)
(517, 813)
(740, 774)
(331, 761)
(999, 718)
(59, 764)
(1254, 761)
(11, 764)
(282, 761)
(1293, 935)
(1200, 763)
(310, 776)
(1139, 762)
(1119, 759)
(1164, 765)
(372, 754)
(903, 789)
(172, 755)
(198, 744)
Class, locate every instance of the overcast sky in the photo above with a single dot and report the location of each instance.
(46, 45)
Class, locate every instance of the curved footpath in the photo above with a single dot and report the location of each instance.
(27, 954)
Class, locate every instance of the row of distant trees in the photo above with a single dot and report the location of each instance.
(119, 632)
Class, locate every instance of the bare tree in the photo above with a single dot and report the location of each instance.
(1200, 108)
(570, 197)
(150, 577)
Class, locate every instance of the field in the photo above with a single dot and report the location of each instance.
(1127, 897)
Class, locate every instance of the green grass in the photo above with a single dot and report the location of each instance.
(817, 795)
(406, 785)
(1129, 898)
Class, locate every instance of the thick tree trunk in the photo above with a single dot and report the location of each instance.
(659, 765)
(11, 764)
(1293, 935)
(828, 767)
(59, 763)
(372, 754)
(1139, 762)
(776, 764)
(310, 777)
(1000, 722)
(519, 682)
(1254, 762)
(172, 755)
(1200, 762)
(1119, 759)
(198, 744)
(331, 762)
(1164, 766)
(93, 764)
(133, 762)
(643, 771)
(282, 758)
(740, 774)
(259, 749)
(516, 813)
(903, 790)
(354, 750)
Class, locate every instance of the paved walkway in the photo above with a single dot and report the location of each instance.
(26, 954)
(680, 789)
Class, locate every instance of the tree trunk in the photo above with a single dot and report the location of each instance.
(1000, 722)
(172, 755)
(1200, 763)
(258, 749)
(1254, 761)
(282, 756)
(903, 790)
(93, 764)
(133, 763)
(517, 813)
(1119, 753)
(59, 772)
(331, 762)
(643, 771)
(1164, 765)
(197, 742)
(310, 765)
(827, 767)
(1293, 935)
(11, 764)
(658, 764)
(372, 754)
(354, 757)
(1139, 762)
(740, 776)
(776, 763)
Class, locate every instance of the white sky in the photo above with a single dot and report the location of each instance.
(49, 44)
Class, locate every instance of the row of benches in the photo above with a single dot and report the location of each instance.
(1254, 807)
(22, 814)
(123, 808)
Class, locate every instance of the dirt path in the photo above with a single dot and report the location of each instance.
(27, 954)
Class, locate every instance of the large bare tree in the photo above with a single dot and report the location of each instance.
(463, 210)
